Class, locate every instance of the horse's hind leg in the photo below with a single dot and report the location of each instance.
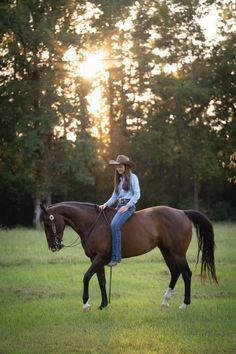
(186, 274)
(175, 273)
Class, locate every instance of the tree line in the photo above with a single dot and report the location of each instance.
(167, 100)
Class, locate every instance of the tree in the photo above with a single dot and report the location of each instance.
(168, 99)
(182, 89)
(37, 113)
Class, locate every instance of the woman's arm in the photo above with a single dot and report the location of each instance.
(112, 200)
(134, 186)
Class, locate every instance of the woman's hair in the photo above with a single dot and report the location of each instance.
(126, 184)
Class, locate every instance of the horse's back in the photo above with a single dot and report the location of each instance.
(156, 226)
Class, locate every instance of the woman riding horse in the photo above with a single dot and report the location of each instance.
(167, 228)
(126, 194)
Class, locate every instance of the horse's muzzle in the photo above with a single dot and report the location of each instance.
(56, 247)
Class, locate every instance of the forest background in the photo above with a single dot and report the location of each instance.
(84, 81)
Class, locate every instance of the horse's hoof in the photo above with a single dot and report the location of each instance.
(168, 293)
(165, 303)
(183, 307)
(103, 305)
(86, 307)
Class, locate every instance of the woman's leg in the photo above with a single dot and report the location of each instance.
(118, 220)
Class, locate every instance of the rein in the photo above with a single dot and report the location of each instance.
(77, 241)
(101, 212)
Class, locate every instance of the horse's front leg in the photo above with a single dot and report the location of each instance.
(95, 266)
(102, 283)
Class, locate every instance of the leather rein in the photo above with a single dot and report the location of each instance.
(77, 241)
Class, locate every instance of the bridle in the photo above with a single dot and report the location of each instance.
(57, 245)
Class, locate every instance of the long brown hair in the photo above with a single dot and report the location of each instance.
(126, 184)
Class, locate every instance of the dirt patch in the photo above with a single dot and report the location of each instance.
(197, 295)
(34, 293)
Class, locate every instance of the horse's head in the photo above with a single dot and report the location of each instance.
(54, 226)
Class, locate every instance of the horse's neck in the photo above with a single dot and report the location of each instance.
(79, 218)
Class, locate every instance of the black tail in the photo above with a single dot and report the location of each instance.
(206, 243)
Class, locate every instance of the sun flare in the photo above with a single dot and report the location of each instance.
(92, 66)
(70, 54)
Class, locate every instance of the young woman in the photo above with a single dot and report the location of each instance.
(126, 194)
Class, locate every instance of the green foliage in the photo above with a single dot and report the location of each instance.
(169, 97)
(33, 105)
(232, 168)
(223, 211)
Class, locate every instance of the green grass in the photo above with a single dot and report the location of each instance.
(41, 306)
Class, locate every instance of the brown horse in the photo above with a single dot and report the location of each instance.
(167, 228)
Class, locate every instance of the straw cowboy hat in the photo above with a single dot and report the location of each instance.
(122, 160)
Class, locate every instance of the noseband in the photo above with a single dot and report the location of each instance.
(56, 241)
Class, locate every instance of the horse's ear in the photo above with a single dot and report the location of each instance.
(43, 207)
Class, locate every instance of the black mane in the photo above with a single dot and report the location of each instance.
(108, 210)
(81, 204)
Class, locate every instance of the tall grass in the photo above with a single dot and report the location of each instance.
(41, 307)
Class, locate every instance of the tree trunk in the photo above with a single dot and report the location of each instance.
(37, 211)
(113, 140)
(195, 194)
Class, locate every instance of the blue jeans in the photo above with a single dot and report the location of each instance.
(118, 220)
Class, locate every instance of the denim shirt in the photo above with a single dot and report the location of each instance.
(133, 193)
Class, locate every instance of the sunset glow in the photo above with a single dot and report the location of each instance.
(92, 66)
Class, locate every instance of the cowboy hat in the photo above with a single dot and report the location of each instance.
(122, 160)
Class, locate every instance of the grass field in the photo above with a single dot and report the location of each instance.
(41, 306)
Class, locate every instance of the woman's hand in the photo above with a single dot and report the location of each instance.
(103, 206)
(123, 209)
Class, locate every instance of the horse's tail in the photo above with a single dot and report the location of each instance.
(206, 243)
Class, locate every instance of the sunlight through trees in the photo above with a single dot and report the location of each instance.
(84, 81)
